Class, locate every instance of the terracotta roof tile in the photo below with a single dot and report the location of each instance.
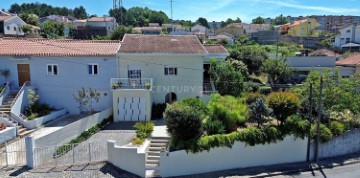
(63, 47)
(216, 49)
(185, 44)
(2, 18)
(352, 60)
(323, 52)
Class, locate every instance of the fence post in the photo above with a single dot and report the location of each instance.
(29, 146)
(6, 154)
(73, 153)
(89, 152)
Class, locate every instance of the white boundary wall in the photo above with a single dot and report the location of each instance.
(7, 134)
(72, 130)
(348, 143)
(128, 158)
(239, 156)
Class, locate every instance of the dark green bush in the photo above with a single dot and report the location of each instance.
(253, 136)
(213, 127)
(37, 110)
(298, 126)
(196, 104)
(283, 104)
(265, 90)
(183, 122)
(337, 128)
(157, 111)
(325, 133)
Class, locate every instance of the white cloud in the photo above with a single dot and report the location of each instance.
(337, 10)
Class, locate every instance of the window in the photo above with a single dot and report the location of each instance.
(170, 70)
(170, 97)
(134, 72)
(52, 69)
(8, 27)
(93, 69)
(347, 40)
(348, 31)
(14, 28)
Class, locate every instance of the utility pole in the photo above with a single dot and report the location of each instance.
(171, 15)
(310, 121)
(117, 4)
(318, 123)
(277, 45)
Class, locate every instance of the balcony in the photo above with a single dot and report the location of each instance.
(131, 83)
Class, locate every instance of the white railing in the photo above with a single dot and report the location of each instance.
(212, 90)
(3, 92)
(26, 84)
(131, 83)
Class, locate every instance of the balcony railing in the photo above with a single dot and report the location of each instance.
(131, 83)
(209, 88)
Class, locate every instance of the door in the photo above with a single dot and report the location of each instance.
(23, 73)
(132, 109)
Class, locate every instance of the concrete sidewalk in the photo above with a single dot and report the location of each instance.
(282, 169)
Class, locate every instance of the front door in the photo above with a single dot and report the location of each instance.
(23, 73)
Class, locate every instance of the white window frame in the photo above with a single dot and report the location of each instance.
(92, 69)
(52, 69)
(169, 72)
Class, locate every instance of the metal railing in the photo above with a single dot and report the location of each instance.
(211, 86)
(131, 83)
(26, 84)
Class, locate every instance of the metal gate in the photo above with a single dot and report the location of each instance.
(70, 154)
(132, 109)
(13, 153)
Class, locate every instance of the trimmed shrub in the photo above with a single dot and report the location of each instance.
(298, 126)
(183, 122)
(231, 111)
(157, 111)
(213, 127)
(265, 90)
(251, 97)
(196, 104)
(284, 104)
(253, 136)
(325, 133)
(144, 129)
(337, 128)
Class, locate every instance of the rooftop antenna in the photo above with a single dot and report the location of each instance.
(172, 20)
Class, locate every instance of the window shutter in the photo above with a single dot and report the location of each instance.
(95, 69)
(90, 69)
(55, 70)
(166, 71)
(175, 70)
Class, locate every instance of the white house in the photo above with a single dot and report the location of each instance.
(59, 68)
(199, 29)
(161, 69)
(108, 22)
(349, 34)
(11, 25)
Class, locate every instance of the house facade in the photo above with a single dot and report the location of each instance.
(160, 69)
(95, 26)
(353, 62)
(58, 69)
(301, 28)
(349, 34)
(11, 25)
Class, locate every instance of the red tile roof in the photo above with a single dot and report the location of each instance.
(2, 18)
(352, 60)
(57, 47)
(323, 52)
(215, 49)
(186, 44)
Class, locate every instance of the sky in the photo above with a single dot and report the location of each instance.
(215, 10)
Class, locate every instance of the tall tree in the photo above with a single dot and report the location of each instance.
(280, 20)
(80, 12)
(258, 20)
(203, 22)
(237, 20)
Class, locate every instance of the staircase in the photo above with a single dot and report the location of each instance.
(6, 109)
(153, 155)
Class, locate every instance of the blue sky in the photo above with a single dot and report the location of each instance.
(217, 9)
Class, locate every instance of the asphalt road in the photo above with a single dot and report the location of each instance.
(347, 171)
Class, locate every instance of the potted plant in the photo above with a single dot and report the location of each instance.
(114, 86)
(148, 85)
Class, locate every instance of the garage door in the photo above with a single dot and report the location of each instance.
(132, 109)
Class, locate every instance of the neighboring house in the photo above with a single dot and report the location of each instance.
(248, 29)
(4, 13)
(55, 18)
(353, 62)
(317, 60)
(148, 30)
(179, 31)
(267, 37)
(58, 69)
(198, 29)
(161, 69)
(236, 31)
(154, 25)
(332, 23)
(347, 35)
(11, 25)
(301, 28)
(222, 37)
(95, 26)
(215, 25)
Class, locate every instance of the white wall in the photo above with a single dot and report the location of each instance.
(348, 143)
(58, 90)
(14, 22)
(7, 134)
(37, 122)
(131, 159)
(239, 156)
(72, 130)
(187, 83)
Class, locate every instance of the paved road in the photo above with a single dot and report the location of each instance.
(347, 171)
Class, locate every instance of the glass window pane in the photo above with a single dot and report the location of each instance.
(90, 69)
(49, 69)
(55, 70)
(95, 69)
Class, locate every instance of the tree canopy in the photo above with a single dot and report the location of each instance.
(258, 20)
(237, 20)
(202, 21)
(280, 20)
(42, 10)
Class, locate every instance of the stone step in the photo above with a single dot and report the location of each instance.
(153, 153)
(153, 157)
(163, 144)
(159, 141)
(151, 166)
(160, 138)
(155, 149)
(152, 161)
(22, 130)
(27, 132)
(5, 106)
